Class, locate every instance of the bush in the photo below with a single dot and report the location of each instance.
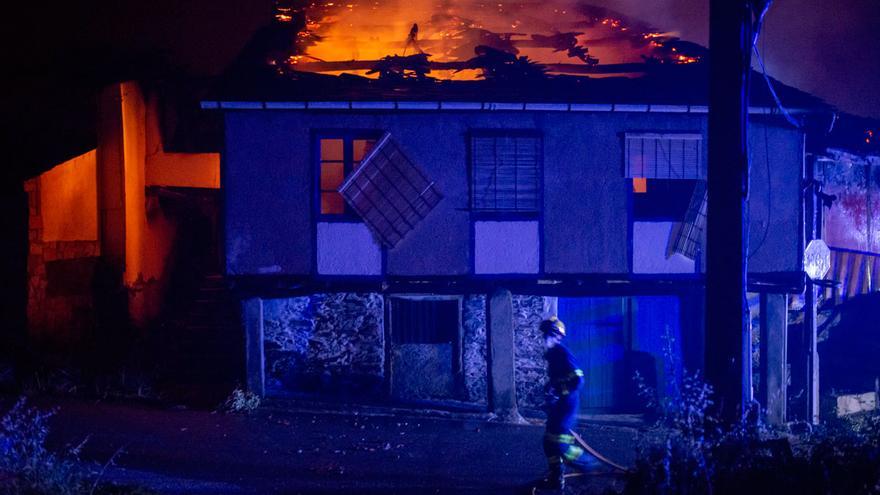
(26, 466)
(241, 401)
(687, 452)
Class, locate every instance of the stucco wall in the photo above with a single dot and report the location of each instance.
(853, 220)
(69, 200)
(61, 303)
(267, 184)
(269, 167)
(176, 169)
(775, 200)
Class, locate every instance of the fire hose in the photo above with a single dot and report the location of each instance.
(584, 445)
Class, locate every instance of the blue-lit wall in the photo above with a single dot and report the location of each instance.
(268, 174)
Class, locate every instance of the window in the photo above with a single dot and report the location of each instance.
(686, 236)
(664, 156)
(389, 192)
(505, 172)
(668, 185)
(338, 157)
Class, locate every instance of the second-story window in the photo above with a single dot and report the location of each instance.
(668, 178)
(339, 155)
(505, 171)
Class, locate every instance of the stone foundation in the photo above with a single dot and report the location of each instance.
(474, 352)
(325, 343)
(531, 373)
(335, 343)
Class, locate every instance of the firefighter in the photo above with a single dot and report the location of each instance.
(564, 381)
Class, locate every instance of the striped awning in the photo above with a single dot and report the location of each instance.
(855, 272)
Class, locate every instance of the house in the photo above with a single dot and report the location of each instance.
(845, 173)
(124, 238)
(402, 241)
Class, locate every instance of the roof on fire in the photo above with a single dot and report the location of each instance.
(659, 85)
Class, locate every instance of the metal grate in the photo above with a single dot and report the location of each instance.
(424, 321)
(687, 235)
(664, 156)
(390, 192)
(504, 173)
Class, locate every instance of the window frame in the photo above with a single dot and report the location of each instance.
(348, 136)
(495, 214)
(630, 193)
(458, 345)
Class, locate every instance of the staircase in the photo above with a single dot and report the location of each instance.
(205, 358)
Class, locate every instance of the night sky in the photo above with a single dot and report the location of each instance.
(830, 49)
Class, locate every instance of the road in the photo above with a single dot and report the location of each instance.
(284, 450)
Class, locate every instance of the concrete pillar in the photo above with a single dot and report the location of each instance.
(774, 344)
(255, 362)
(502, 382)
(111, 178)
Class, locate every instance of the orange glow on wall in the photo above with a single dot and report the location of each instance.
(176, 169)
(134, 145)
(69, 200)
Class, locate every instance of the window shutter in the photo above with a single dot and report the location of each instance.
(687, 235)
(504, 173)
(390, 192)
(664, 156)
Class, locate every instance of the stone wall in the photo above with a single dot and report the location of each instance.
(474, 351)
(60, 279)
(334, 343)
(530, 368)
(325, 343)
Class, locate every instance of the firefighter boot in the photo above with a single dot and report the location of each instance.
(589, 464)
(555, 479)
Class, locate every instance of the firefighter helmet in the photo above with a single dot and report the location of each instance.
(553, 326)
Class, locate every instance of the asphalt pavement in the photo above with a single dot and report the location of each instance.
(317, 450)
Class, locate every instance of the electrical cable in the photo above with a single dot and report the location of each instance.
(758, 25)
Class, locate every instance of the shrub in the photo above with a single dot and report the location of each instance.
(241, 401)
(28, 466)
(687, 452)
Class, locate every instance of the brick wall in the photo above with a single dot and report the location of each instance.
(60, 299)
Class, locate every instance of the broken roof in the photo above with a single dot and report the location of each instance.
(657, 85)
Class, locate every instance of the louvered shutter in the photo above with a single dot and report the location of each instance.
(504, 173)
(664, 156)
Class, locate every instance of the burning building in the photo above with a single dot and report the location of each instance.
(408, 189)
(407, 196)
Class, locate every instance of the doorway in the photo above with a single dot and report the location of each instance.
(424, 348)
(612, 338)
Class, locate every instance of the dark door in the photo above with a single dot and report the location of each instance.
(656, 342)
(613, 337)
(425, 350)
(597, 338)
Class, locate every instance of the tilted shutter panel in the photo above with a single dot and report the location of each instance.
(390, 192)
(687, 235)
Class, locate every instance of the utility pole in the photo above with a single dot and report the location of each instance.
(728, 360)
